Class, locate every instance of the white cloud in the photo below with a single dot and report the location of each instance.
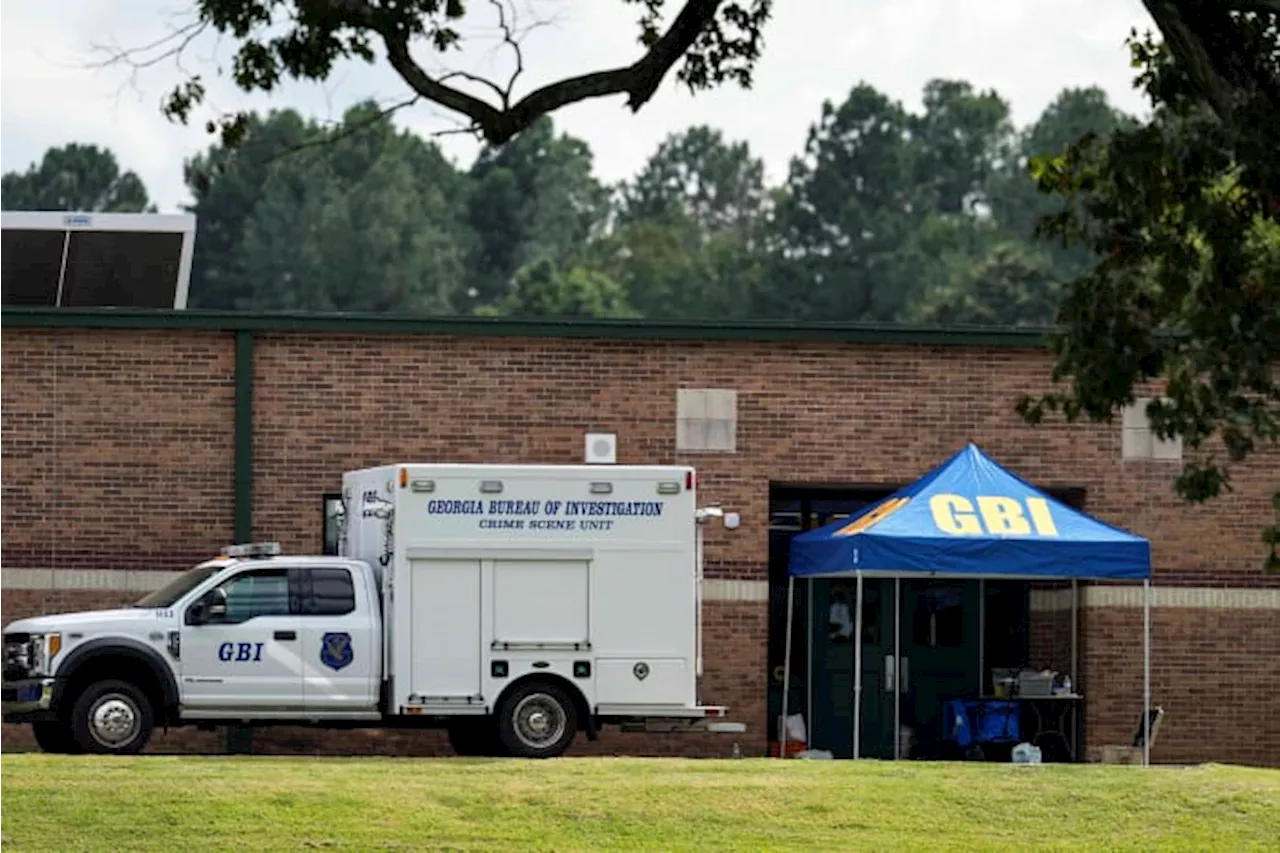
(815, 50)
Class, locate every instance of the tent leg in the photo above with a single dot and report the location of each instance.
(897, 667)
(982, 632)
(1146, 673)
(1075, 621)
(808, 668)
(857, 671)
(786, 669)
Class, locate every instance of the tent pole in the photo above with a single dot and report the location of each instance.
(982, 632)
(786, 668)
(857, 671)
(1075, 621)
(1146, 672)
(808, 669)
(897, 666)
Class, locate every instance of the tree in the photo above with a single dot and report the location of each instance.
(75, 178)
(533, 198)
(1183, 214)
(959, 140)
(542, 290)
(1011, 194)
(713, 41)
(687, 230)
(226, 185)
(1011, 284)
(696, 177)
(848, 207)
(368, 221)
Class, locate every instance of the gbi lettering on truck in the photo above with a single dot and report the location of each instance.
(513, 605)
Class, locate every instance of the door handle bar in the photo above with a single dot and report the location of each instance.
(286, 635)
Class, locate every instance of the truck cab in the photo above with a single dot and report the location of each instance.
(250, 635)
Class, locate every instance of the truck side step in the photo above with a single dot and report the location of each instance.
(669, 725)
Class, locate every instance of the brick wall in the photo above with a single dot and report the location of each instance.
(118, 453)
(117, 448)
(1216, 673)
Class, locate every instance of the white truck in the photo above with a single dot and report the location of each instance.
(513, 605)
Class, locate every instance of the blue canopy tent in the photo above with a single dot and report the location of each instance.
(969, 518)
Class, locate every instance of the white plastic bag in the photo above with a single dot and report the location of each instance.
(795, 729)
(1025, 753)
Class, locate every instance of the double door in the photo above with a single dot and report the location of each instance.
(919, 646)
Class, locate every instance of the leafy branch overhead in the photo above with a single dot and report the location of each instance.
(1183, 216)
(712, 41)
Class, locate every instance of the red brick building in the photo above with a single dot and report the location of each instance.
(135, 445)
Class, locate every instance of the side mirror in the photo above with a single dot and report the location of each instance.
(215, 604)
(211, 607)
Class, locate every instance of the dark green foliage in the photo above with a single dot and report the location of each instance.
(75, 177)
(1182, 216)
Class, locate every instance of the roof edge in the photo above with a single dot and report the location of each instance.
(655, 330)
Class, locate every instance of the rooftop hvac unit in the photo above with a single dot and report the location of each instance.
(57, 259)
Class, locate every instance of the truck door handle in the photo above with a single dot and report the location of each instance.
(286, 635)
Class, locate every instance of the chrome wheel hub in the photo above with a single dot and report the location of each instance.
(114, 720)
(539, 721)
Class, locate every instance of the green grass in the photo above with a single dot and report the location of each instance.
(175, 803)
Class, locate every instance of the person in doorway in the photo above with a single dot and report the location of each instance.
(840, 617)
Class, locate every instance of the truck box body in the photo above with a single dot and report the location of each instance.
(494, 572)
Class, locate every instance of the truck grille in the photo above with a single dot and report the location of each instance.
(14, 657)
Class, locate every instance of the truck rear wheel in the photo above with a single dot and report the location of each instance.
(55, 738)
(112, 717)
(537, 720)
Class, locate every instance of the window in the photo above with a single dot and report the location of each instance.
(264, 592)
(327, 592)
(330, 524)
(938, 620)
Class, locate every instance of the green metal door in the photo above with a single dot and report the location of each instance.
(832, 667)
(939, 654)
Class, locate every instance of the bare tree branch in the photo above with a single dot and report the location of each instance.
(639, 81)
(496, 123)
(178, 41)
(347, 130)
(508, 38)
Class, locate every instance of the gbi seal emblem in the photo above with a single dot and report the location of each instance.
(335, 651)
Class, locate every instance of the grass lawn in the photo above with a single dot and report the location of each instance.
(248, 803)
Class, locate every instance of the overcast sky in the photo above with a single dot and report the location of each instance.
(1028, 50)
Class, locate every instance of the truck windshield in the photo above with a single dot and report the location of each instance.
(166, 595)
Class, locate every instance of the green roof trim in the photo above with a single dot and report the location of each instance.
(511, 327)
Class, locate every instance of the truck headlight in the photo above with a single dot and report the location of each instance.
(42, 649)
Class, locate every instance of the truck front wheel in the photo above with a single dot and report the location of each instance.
(112, 717)
(55, 738)
(538, 720)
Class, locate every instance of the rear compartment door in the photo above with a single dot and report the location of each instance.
(543, 603)
(445, 630)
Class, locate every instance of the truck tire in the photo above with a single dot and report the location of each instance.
(475, 737)
(537, 720)
(112, 718)
(55, 738)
